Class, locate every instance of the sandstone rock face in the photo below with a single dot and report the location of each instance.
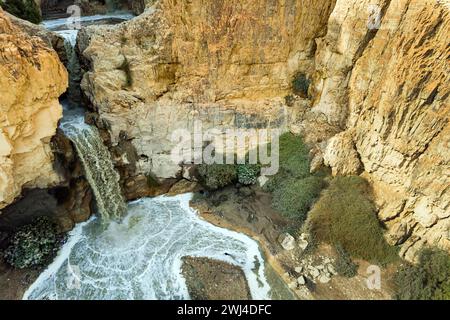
(50, 38)
(387, 85)
(341, 155)
(31, 80)
(226, 63)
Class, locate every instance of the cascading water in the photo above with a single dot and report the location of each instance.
(94, 155)
(98, 167)
(139, 256)
(73, 64)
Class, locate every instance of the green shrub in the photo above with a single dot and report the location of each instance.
(294, 198)
(24, 9)
(294, 188)
(344, 265)
(248, 173)
(294, 161)
(294, 156)
(428, 280)
(33, 245)
(345, 215)
(300, 85)
(216, 176)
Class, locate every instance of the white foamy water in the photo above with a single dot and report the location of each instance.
(141, 257)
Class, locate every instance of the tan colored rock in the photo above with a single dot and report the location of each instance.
(31, 80)
(226, 63)
(341, 155)
(391, 210)
(398, 233)
(183, 186)
(389, 87)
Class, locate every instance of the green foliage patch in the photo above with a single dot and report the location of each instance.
(23, 9)
(217, 176)
(294, 188)
(344, 264)
(429, 279)
(33, 245)
(346, 216)
(300, 85)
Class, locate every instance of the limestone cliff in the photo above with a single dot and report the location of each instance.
(387, 86)
(31, 80)
(224, 62)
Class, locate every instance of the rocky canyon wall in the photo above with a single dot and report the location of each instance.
(227, 63)
(388, 88)
(379, 95)
(31, 80)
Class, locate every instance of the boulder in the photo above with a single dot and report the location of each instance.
(286, 241)
(301, 280)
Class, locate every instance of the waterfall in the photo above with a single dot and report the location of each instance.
(98, 167)
(94, 155)
(73, 64)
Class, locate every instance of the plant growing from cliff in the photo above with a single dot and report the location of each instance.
(429, 279)
(344, 264)
(216, 176)
(294, 198)
(24, 9)
(33, 245)
(346, 216)
(294, 188)
(300, 85)
(294, 161)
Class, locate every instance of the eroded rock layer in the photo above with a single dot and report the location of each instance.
(390, 92)
(31, 80)
(226, 63)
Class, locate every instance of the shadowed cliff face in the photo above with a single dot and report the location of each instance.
(392, 99)
(379, 94)
(31, 80)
